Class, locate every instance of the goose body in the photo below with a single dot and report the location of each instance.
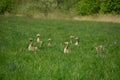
(76, 43)
(32, 48)
(66, 50)
(38, 39)
(40, 42)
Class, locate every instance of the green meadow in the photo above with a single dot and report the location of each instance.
(50, 63)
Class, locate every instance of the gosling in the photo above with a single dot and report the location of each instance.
(100, 49)
(49, 42)
(66, 49)
(77, 41)
(71, 39)
(39, 41)
(31, 47)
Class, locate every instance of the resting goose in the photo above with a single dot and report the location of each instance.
(31, 47)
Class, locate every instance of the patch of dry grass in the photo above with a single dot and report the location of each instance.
(98, 18)
(101, 18)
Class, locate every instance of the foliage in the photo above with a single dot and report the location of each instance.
(35, 6)
(110, 6)
(5, 6)
(82, 7)
(66, 4)
(88, 7)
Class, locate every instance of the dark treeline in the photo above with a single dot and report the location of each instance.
(82, 7)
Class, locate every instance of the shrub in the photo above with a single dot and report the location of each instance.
(36, 6)
(110, 6)
(66, 4)
(5, 6)
(87, 7)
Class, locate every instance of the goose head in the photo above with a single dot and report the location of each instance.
(38, 35)
(30, 40)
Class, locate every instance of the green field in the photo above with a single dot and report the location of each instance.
(50, 63)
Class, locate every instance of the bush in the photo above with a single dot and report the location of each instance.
(110, 6)
(36, 6)
(66, 4)
(5, 6)
(87, 7)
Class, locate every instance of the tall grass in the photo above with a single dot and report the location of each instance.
(50, 63)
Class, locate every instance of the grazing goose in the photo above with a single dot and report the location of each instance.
(39, 41)
(66, 49)
(31, 47)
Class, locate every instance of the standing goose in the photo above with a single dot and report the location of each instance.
(77, 41)
(49, 42)
(71, 39)
(39, 41)
(66, 49)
